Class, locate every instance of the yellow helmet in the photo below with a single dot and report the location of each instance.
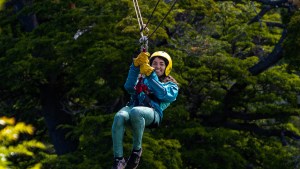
(166, 58)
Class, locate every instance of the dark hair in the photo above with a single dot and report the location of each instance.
(168, 78)
(164, 59)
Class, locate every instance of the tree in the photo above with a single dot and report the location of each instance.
(230, 82)
(237, 106)
(45, 83)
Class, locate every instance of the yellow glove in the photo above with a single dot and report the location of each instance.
(141, 59)
(146, 69)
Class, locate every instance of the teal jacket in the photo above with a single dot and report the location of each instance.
(165, 93)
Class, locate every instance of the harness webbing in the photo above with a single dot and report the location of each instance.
(141, 87)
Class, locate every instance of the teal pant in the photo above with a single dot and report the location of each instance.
(135, 117)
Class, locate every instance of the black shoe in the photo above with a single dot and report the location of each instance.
(134, 159)
(119, 164)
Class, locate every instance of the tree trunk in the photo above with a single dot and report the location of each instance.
(54, 117)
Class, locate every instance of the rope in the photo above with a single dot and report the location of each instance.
(139, 16)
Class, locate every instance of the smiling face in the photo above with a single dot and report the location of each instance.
(159, 65)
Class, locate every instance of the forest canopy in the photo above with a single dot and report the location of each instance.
(63, 65)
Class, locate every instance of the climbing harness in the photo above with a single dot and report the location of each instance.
(141, 87)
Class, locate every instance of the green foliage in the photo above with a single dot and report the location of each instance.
(16, 152)
(212, 47)
(2, 4)
(291, 45)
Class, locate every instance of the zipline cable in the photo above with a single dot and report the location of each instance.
(163, 19)
(152, 13)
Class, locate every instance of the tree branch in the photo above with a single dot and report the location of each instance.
(261, 131)
(258, 116)
(263, 11)
(271, 59)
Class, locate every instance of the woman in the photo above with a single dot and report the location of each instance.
(152, 90)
